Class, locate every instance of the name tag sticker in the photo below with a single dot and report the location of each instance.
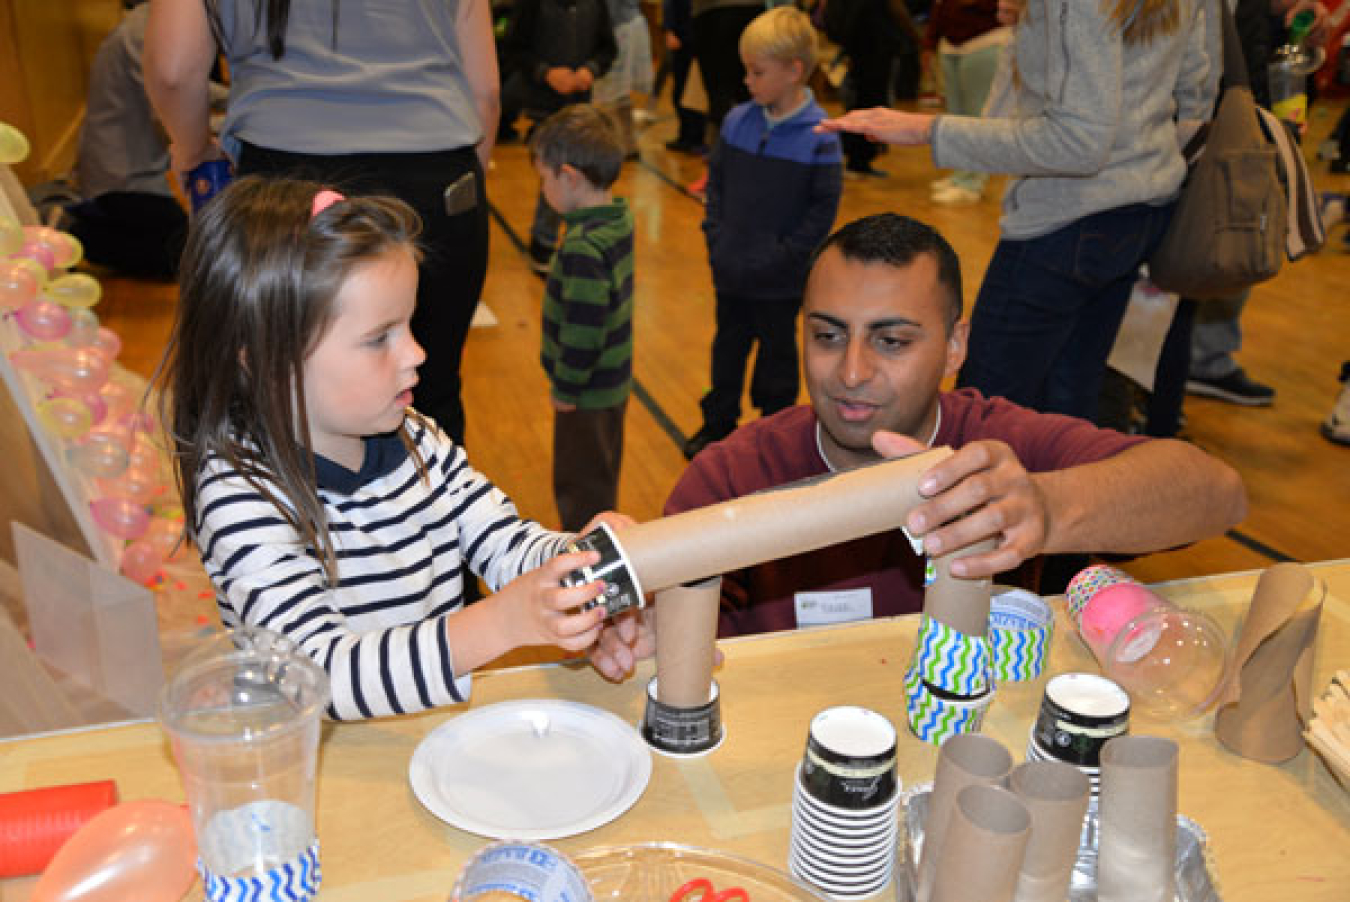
(821, 608)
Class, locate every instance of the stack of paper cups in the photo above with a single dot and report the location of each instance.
(844, 824)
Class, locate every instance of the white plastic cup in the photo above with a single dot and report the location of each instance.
(243, 716)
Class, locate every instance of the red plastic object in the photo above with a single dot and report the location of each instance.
(36, 822)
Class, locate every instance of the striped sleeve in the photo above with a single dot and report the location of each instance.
(264, 576)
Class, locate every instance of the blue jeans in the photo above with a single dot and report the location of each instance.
(1049, 308)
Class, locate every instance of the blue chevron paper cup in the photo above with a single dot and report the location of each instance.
(1021, 626)
(521, 869)
(935, 718)
(296, 880)
(950, 660)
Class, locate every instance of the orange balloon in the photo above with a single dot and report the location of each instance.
(141, 850)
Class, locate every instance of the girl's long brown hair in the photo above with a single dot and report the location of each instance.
(256, 289)
(1140, 21)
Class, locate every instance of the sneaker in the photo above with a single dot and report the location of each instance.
(864, 171)
(1333, 208)
(1235, 388)
(698, 188)
(705, 436)
(1337, 426)
(541, 258)
(956, 196)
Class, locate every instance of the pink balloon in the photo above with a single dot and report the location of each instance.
(61, 246)
(107, 343)
(139, 484)
(38, 253)
(141, 562)
(43, 320)
(18, 285)
(76, 370)
(121, 399)
(121, 517)
(141, 850)
(165, 535)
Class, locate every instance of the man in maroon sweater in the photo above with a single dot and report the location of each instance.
(881, 329)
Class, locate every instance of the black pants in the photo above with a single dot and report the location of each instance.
(773, 386)
(871, 56)
(133, 232)
(693, 124)
(454, 250)
(717, 38)
(587, 453)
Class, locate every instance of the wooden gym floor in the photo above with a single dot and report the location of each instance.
(1297, 332)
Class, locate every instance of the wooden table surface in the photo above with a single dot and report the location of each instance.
(1276, 832)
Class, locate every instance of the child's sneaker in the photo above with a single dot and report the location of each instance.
(1337, 426)
(1333, 208)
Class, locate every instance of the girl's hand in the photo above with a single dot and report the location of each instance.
(885, 126)
(536, 609)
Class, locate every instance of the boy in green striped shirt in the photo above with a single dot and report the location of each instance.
(588, 308)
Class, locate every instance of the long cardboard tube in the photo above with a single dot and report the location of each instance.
(777, 523)
(1056, 796)
(1267, 700)
(962, 604)
(983, 848)
(1137, 836)
(686, 633)
(966, 760)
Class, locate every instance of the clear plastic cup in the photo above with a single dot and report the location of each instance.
(1171, 661)
(243, 716)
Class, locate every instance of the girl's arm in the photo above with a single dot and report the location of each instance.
(179, 52)
(478, 50)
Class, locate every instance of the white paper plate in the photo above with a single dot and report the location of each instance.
(534, 770)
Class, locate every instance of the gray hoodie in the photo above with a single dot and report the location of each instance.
(1087, 123)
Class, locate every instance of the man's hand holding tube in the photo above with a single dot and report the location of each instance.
(982, 491)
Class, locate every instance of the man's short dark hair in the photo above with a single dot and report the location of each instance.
(583, 137)
(896, 240)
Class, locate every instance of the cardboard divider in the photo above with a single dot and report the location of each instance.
(1137, 830)
(1268, 696)
(983, 849)
(1056, 797)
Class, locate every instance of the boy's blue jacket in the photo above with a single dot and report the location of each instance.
(771, 199)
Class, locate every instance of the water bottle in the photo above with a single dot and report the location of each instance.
(1289, 68)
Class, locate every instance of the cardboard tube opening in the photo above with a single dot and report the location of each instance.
(993, 809)
(1049, 781)
(1143, 752)
(978, 755)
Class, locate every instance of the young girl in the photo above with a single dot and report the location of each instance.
(323, 507)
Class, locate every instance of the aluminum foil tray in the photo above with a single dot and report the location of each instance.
(1195, 882)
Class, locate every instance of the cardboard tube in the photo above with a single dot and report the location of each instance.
(1056, 797)
(962, 604)
(686, 634)
(969, 759)
(791, 519)
(35, 823)
(984, 846)
(1268, 696)
(1137, 831)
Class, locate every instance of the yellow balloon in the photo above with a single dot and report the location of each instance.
(76, 251)
(11, 236)
(13, 144)
(67, 417)
(74, 289)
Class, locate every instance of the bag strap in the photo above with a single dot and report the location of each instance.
(1234, 62)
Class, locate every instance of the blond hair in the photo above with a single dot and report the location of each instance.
(783, 33)
(1140, 21)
